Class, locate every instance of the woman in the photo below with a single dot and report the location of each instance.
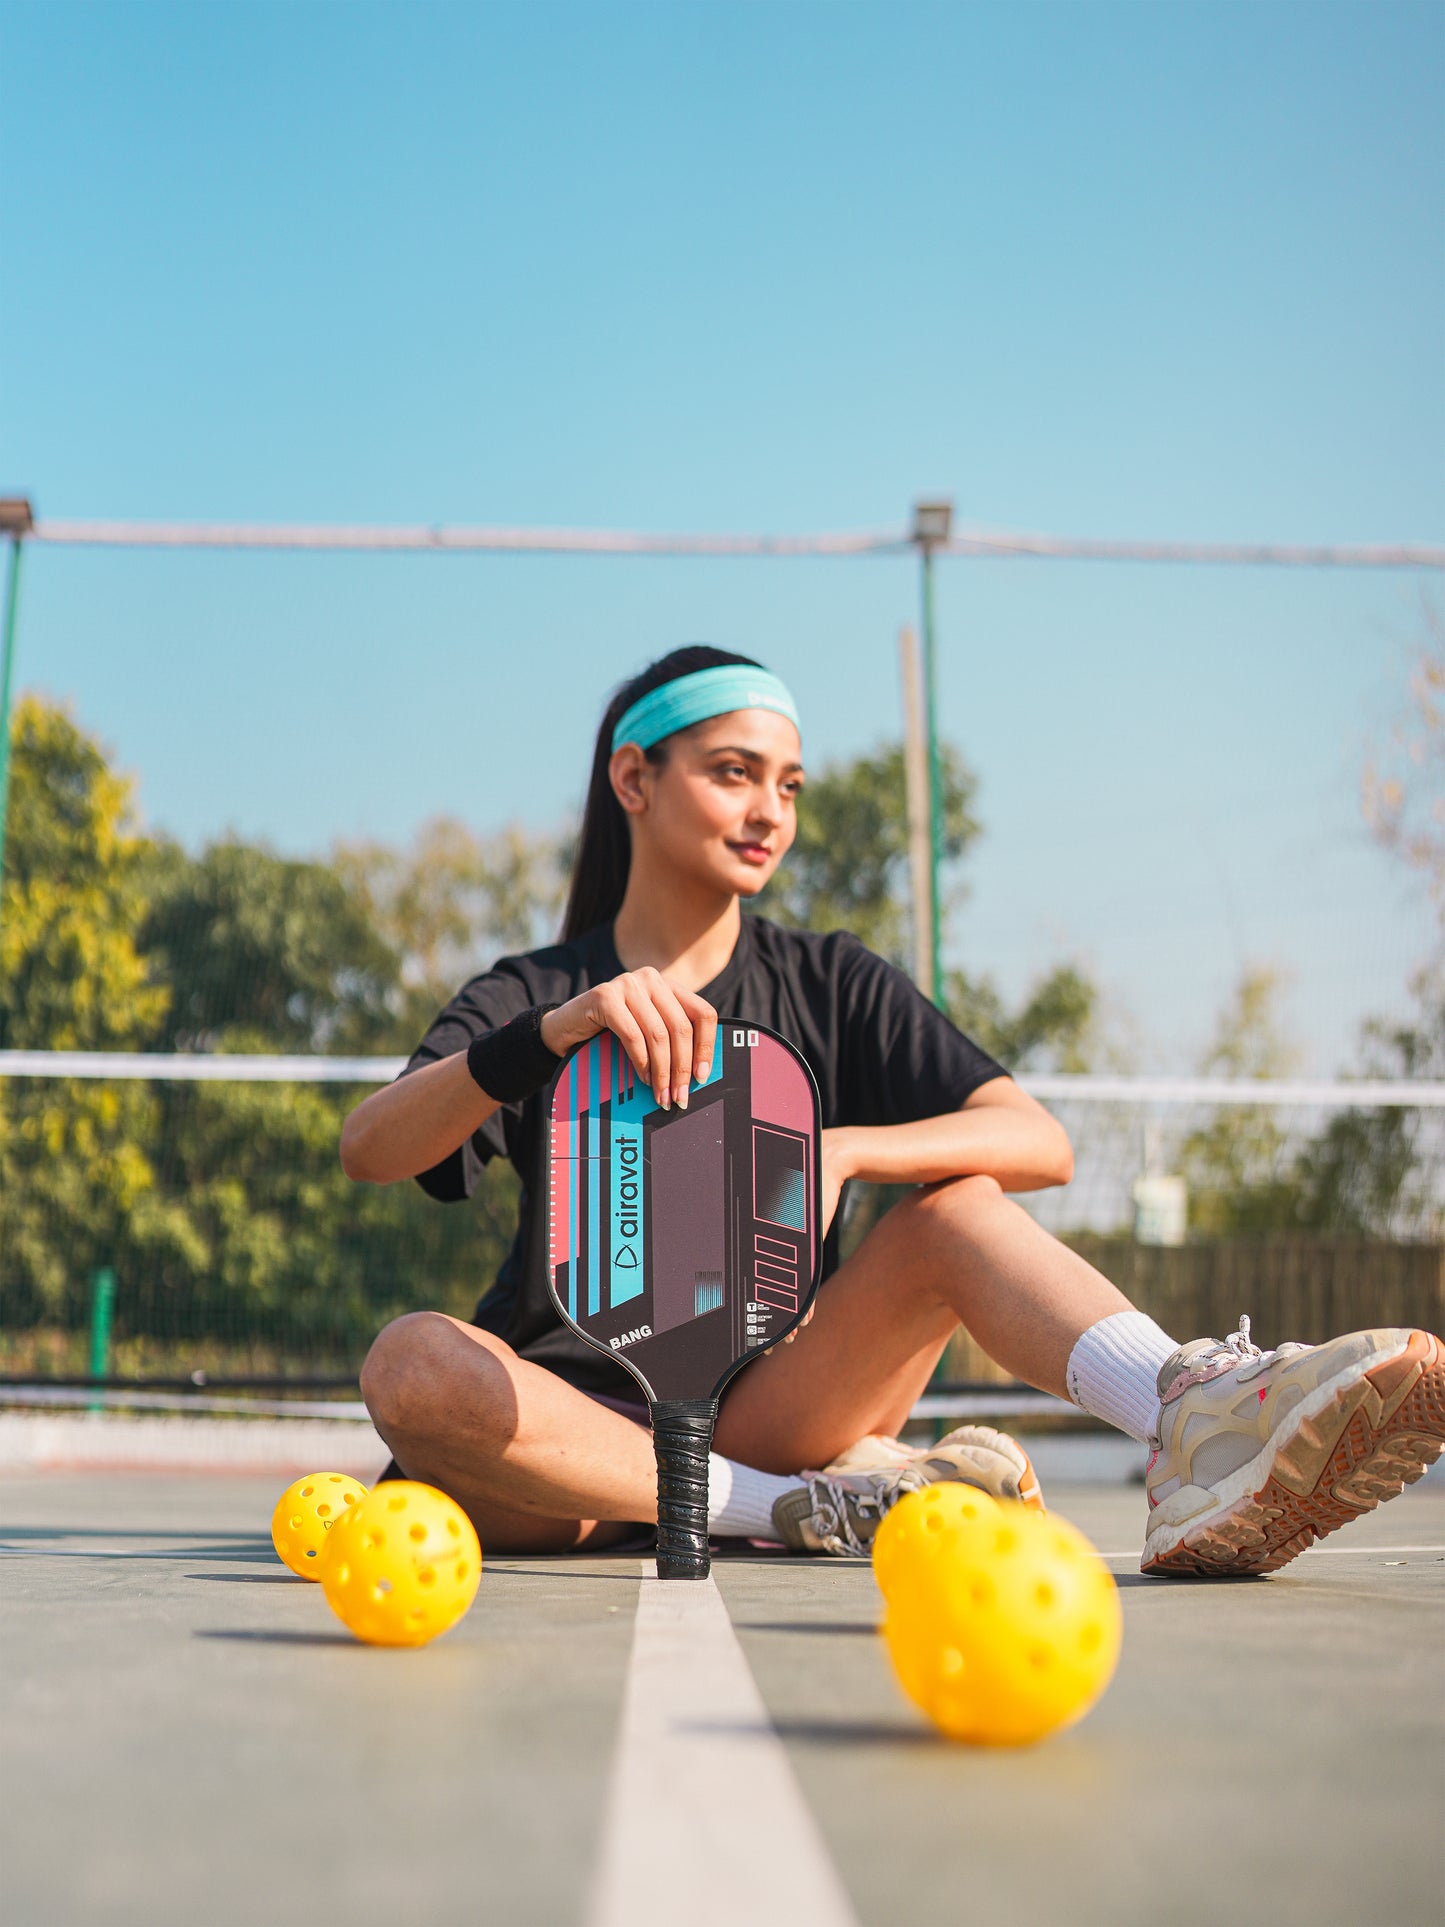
(691, 808)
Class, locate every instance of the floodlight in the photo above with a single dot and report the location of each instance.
(932, 523)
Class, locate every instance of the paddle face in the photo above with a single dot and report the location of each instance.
(681, 1243)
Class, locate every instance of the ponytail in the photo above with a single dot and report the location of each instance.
(604, 848)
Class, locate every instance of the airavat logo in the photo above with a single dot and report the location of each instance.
(630, 1338)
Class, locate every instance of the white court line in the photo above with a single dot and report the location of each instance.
(703, 1813)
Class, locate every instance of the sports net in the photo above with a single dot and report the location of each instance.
(187, 1223)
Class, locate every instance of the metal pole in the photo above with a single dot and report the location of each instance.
(102, 1310)
(935, 777)
(916, 794)
(12, 596)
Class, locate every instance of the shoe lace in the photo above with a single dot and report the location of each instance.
(1240, 1342)
(837, 1505)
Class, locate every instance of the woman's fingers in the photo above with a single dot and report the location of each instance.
(669, 1021)
(669, 1034)
(806, 1319)
(704, 1032)
(653, 1025)
(670, 1008)
(615, 1015)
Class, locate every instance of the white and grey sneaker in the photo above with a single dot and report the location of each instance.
(838, 1513)
(837, 1510)
(1258, 1454)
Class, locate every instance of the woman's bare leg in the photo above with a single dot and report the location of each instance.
(954, 1253)
(537, 1465)
(541, 1467)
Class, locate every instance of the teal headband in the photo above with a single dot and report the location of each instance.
(696, 698)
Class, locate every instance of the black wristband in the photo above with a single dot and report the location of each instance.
(512, 1063)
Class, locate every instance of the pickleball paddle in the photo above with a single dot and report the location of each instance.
(684, 1242)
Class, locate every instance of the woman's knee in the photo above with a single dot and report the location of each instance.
(410, 1365)
(953, 1212)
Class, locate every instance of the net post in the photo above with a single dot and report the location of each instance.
(16, 524)
(102, 1310)
(932, 528)
(682, 1431)
(917, 791)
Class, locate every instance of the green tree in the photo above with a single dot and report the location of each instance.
(74, 1161)
(265, 952)
(1237, 1166)
(253, 1231)
(1376, 1173)
(222, 1206)
(1052, 1029)
(451, 902)
(72, 976)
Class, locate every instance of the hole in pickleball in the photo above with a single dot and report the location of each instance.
(418, 1533)
(323, 1512)
(1044, 1593)
(426, 1577)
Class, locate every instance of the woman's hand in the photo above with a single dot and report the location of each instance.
(670, 1034)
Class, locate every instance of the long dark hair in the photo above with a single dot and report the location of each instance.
(604, 849)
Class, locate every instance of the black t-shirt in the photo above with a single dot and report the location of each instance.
(880, 1052)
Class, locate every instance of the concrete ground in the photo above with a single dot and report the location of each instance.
(189, 1735)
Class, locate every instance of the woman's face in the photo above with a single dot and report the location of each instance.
(722, 808)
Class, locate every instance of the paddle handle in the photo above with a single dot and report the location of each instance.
(682, 1439)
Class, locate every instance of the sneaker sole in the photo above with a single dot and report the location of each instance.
(1380, 1433)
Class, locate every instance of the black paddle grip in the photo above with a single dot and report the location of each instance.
(682, 1439)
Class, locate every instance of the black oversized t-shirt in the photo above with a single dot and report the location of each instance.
(880, 1052)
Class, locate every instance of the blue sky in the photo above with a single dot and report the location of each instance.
(1140, 270)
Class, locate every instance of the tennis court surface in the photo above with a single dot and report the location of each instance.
(189, 1735)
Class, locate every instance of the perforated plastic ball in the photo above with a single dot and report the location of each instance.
(305, 1514)
(1011, 1631)
(404, 1566)
(921, 1527)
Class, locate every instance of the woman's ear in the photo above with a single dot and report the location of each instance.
(630, 771)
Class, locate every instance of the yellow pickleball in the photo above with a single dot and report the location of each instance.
(305, 1514)
(1001, 1627)
(919, 1529)
(404, 1566)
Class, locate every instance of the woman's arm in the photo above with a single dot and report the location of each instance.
(669, 1033)
(414, 1123)
(1001, 1133)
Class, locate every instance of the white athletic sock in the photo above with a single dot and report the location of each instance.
(1114, 1371)
(740, 1499)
